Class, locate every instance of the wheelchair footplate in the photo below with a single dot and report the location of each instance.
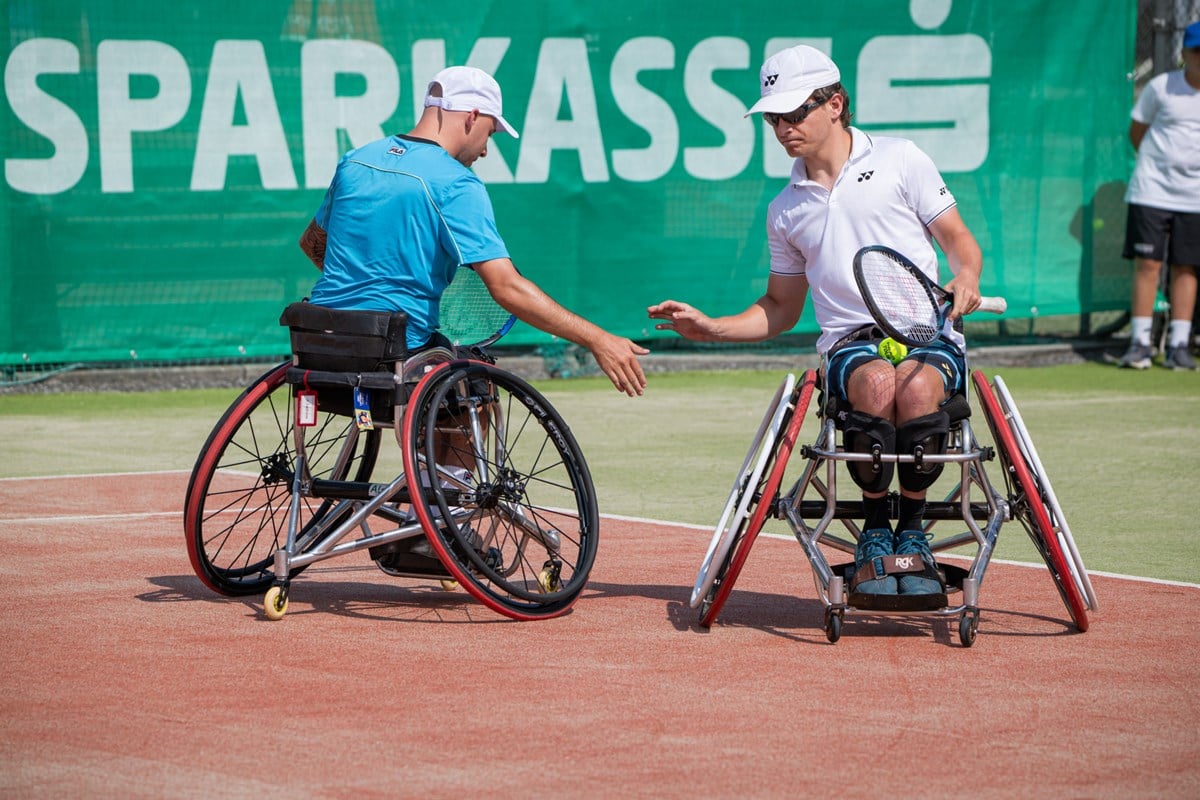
(951, 578)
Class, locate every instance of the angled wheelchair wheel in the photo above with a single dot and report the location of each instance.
(1053, 509)
(737, 506)
(507, 500)
(755, 497)
(239, 495)
(1028, 501)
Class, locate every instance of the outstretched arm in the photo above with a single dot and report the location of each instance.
(774, 313)
(616, 356)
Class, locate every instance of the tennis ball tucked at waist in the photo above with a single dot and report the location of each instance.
(892, 350)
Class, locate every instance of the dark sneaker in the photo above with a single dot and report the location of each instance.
(873, 545)
(916, 543)
(1136, 357)
(1179, 358)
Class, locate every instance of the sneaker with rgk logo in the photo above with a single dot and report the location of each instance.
(915, 544)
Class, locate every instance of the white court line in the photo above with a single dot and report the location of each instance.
(99, 475)
(89, 517)
(621, 517)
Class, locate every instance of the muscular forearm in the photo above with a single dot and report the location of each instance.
(534, 307)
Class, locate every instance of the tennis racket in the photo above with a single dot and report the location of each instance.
(470, 318)
(908, 306)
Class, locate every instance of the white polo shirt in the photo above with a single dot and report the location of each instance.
(888, 193)
(1167, 172)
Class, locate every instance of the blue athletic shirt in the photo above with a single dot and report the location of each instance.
(401, 216)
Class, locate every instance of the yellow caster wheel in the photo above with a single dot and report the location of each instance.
(548, 579)
(276, 603)
(449, 584)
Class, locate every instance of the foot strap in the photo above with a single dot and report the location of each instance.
(882, 566)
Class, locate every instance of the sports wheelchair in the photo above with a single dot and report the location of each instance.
(494, 495)
(824, 522)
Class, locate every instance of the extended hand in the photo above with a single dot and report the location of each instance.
(617, 358)
(685, 320)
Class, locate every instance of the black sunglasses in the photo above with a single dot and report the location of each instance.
(797, 116)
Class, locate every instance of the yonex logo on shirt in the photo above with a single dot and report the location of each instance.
(865, 176)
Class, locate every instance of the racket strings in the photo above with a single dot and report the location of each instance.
(901, 298)
(468, 314)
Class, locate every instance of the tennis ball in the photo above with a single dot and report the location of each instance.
(892, 350)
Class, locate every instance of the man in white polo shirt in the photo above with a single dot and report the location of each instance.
(848, 190)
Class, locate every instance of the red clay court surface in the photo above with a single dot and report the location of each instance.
(124, 677)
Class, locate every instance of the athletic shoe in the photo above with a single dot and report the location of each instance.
(872, 546)
(916, 543)
(1136, 357)
(1179, 358)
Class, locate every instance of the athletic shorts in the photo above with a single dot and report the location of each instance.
(1153, 233)
(943, 356)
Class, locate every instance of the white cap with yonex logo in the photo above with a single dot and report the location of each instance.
(468, 89)
(788, 78)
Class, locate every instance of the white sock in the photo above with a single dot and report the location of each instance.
(1141, 330)
(1180, 333)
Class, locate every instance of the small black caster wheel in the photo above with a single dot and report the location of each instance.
(968, 626)
(833, 625)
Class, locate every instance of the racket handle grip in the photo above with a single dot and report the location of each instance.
(993, 305)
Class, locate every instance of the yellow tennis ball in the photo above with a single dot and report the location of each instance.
(892, 350)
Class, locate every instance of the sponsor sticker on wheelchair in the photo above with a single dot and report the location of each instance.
(362, 410)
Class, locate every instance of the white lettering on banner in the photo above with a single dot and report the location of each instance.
(47, 115)
(725, 111)
(930, 88)
(562, 64)
(324, 113)
(121, 115)
(240, 66)
(961, 146)
(645, 109)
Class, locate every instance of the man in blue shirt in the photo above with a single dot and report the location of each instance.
(402, 214)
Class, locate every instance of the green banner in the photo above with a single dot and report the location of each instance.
(162, 159)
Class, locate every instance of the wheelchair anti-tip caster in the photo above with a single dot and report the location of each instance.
(276, 602)
(833, 624)
(548, 578)
(968, 626)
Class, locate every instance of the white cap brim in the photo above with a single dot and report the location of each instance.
(781, 103)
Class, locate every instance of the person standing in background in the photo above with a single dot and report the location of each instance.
(1164, 206)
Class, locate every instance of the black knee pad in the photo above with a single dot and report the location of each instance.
(862, 433)
(924, 436)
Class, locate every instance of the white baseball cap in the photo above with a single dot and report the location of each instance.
(790, 76)
(468, 89)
